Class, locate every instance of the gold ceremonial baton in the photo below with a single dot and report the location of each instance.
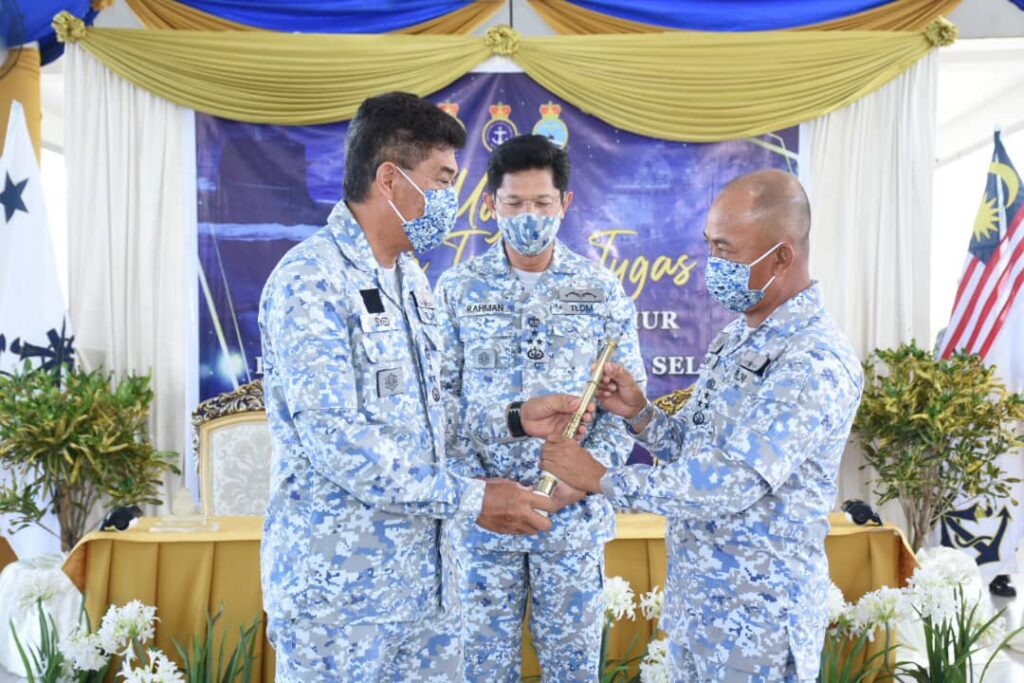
(547, 482)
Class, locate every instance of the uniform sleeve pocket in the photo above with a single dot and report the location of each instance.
(319, 388)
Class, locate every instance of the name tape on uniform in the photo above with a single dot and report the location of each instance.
(378, 322)
(487, 308)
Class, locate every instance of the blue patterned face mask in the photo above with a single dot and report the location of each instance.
(729, 282)
(440, 207)
(529, 233)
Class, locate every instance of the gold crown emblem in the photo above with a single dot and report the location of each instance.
(500, 111)
(450, 108)
(550, 110)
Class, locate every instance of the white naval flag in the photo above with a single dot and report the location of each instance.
(33, 320)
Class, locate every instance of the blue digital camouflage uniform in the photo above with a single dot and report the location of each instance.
(503, 344)
(357, 570)
(747, 479)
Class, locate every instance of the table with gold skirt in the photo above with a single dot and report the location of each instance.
(187, 575)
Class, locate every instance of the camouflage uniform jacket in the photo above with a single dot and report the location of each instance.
(505, 344)
(748, 479)
(359, 482)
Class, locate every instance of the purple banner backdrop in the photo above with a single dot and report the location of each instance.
(639, 210)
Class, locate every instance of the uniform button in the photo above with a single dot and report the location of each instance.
(698, 418)
(711, 383)
(533, 321)
(436, 393)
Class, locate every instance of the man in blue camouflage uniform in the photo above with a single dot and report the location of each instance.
(357, 568)
(749, 466)
(528, 318)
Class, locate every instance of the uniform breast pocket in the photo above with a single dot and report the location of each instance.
(723, 405)
(384, 372)
(576, 342)
(488, 347)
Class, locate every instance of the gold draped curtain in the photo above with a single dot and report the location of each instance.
(685, 86)
(174, 15)
(19, 80)
(901, 15)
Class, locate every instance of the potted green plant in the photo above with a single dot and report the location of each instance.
(933, 430)
(70, 438)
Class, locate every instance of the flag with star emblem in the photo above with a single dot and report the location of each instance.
(33, 320)
(33, 323)
(988, 294)
(988, 319)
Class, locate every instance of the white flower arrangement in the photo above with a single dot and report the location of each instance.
(836, 604)
(619, 599)
(941, 572)
(39, 586)
(121, 626)
(942, 616)
(656, 666)
(651, 604)
(156, 668)
(620, 603)
(83, 651)
(880, 609)
(86, 657)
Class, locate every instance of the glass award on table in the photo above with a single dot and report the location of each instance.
(184, 517)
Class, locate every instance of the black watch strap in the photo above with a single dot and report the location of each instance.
(514, 419)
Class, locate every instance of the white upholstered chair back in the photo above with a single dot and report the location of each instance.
(232, 441)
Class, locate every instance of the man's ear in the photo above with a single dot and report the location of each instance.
(566, 202)
(387, 176)
(489, 202)
(784, 257)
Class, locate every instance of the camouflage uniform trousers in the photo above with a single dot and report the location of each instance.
(424, 651)
(566, 613)
(684, 670)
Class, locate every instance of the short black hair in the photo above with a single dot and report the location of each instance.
(525, 153)
(398, 127)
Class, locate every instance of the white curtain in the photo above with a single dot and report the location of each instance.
(126, 156)
(868, 170)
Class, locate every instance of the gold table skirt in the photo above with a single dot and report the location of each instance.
(187, 574)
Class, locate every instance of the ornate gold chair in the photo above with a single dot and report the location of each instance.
(232, 446)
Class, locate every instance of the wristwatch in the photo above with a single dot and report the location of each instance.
(514, 420)
(633, 423)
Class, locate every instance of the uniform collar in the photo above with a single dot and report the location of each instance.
(796, 311)
(494, 261)
(350, 238)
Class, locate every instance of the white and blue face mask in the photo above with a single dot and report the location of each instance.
(440, 208)
(529, 233)
(728, 282)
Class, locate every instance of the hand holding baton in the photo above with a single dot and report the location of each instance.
(547, 482)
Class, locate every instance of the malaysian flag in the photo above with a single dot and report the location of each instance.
(994, 271)
(988, 319)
